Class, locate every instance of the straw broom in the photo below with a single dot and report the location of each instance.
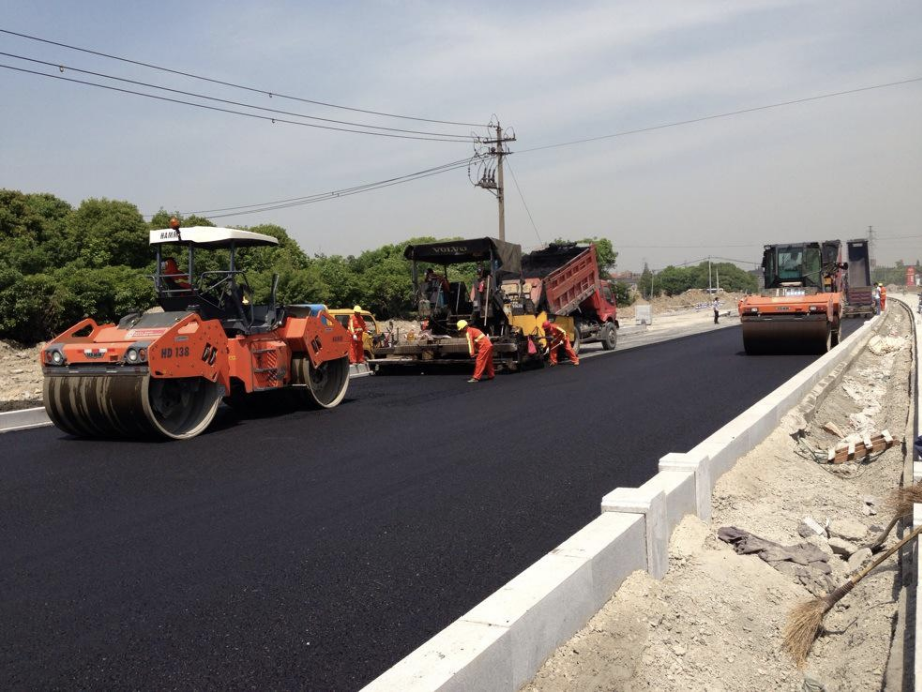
(901, 503)
(804, 621)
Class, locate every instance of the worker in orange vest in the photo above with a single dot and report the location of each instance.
(558, 339)
(481, 349)
(357, 328)
(882, 298)
(173, 278)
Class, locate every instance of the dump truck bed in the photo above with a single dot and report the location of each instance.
(569, 274)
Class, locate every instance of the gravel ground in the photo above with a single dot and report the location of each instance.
(715, 621)
(20, 376)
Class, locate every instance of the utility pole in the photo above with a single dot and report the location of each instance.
(495, 184)
(710, 273)
(872, 262)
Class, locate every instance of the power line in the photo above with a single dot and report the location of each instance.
(346, 192)
(523, 199)
(63, 67)
(721, 115)
(226, 110)
(267, 92)
(436, 169)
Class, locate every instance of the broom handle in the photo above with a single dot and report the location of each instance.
(885, 534)
(885, 556)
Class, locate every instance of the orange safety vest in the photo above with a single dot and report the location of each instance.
(557, 335)
(357, 324)
(474, 336)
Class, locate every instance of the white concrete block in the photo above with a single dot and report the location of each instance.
(542, 607)
(679, 488)
(917, 471)
(614, 544)
(653, 504)
(916, 516)
(699, 465)
(464, 656)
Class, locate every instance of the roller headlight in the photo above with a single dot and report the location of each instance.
(57, 358)
(135, 355)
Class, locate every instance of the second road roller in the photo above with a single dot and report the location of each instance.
(799, 308)
(164, 374)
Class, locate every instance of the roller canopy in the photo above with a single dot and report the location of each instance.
(211, 237)
(474, 250)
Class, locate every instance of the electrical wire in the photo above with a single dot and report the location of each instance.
(729, 114)
(228, 110)
(63, 67)
(338, 194)
(267, 92)
(435, 169)
(523, 199)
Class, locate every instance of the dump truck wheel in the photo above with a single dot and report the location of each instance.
(609, 337)
(578, 341)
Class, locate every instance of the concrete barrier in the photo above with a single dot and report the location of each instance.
(502, 642)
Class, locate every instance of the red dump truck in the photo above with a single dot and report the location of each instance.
(563, 281)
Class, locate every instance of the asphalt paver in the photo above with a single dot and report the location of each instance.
(315, 549)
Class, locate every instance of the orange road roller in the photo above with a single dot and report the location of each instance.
(799, 310)
(164, 374)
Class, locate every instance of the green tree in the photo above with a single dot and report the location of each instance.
(624, 295)
(108, 232)
(32, 231)
(606, 255)
(645, 283)
(675, 280)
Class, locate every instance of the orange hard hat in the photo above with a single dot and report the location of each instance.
(546, 325)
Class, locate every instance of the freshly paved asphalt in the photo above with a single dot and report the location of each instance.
(314, 550)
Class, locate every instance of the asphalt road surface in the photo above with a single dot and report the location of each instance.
(313, 549)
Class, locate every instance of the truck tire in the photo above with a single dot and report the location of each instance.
(576, 343)
(608, 337)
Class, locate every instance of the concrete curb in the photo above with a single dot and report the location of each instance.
(29, 418)
(912, 620)
(502, 642)
(26, 419)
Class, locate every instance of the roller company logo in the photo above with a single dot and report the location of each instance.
(169, 235)
(95, 352)
(145, 333)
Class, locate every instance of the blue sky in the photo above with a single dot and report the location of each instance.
(553, 71)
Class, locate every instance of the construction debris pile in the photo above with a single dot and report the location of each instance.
(717, 620)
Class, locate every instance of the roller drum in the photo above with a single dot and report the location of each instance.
(326, 385)
(771, 336)
(131, 406)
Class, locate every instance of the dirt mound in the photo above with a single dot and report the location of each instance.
(20, 376)
(694, 299)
